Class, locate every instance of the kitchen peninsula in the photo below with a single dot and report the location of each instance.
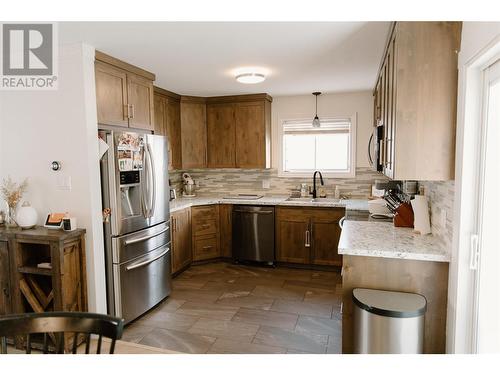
(380, 256)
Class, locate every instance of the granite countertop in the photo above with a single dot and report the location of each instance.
(384, 240)
(349, 204)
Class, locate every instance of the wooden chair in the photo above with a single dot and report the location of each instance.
(55, 324)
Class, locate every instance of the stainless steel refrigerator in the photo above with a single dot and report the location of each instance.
(134, 183)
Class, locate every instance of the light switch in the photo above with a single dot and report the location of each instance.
(63, 183)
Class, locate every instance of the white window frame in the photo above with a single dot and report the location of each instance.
(352, 167)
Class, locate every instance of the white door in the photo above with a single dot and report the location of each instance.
(487, 264)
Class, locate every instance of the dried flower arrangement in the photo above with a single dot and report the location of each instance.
(12, 192)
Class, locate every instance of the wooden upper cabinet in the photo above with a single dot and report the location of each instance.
(418, 94)
(221, 136)
(239, 131)
(160, 115)
(140, 99)
(193, 132)
(124, 93)
(252, 135)
(168, 123)
(174, 133)
(111, 94)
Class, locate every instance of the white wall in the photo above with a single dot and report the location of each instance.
(329, 105)
(37, 127)
(476, 36)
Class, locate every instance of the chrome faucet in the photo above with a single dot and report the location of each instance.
(314, 183)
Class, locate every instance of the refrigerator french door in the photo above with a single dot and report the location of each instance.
(135, 192)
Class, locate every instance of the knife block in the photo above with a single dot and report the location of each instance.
(403, 217)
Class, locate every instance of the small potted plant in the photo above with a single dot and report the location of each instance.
(12, 194)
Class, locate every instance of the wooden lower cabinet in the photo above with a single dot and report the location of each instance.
(325, 235)
(291, 236)
(5, 306)
(206, 247)
(308, 235)
(182, 255)
(205, 227)
(226, 230)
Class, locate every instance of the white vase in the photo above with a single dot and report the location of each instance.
(26, 216)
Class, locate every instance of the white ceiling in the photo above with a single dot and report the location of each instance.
(193, 58)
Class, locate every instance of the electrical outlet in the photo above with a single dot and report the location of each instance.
(266, 184)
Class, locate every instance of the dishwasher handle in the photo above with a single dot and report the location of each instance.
(254, 212)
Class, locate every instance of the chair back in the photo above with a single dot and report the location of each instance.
(53, 326)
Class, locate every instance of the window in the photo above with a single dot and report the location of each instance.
(329, 148)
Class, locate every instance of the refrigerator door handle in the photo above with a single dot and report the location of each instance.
(144, 186)
(152, 171)
(140, 239)
(146, 262)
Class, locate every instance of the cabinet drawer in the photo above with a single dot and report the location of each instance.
(203, 213)
(205, 248)
(203, 227)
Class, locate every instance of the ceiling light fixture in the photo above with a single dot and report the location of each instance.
(316, 123)
(250, 78)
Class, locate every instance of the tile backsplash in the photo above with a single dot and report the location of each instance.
(251, 181)
(441, 196)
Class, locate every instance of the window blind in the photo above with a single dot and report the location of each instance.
(327, 127)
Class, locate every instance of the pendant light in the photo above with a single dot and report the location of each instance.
(316, 123)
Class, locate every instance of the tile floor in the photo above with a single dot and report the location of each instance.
(226, 308)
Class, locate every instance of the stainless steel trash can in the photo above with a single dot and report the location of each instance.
(388, 322)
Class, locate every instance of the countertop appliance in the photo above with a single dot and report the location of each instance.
(135, 195)
(189, 186)
(253, 233)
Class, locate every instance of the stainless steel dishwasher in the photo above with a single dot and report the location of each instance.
(253, 233)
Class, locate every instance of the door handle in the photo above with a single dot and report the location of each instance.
(140, 239)
(308, 239)
(132, 107)
(146, 262)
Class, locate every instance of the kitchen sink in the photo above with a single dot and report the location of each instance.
(314, 200)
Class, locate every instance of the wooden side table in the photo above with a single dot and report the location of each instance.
(63, 286)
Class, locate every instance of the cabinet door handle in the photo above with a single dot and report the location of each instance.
(308, 239)
(132, 107)
(127, 110)
(206, 247)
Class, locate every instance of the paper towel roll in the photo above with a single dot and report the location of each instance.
(421, 212)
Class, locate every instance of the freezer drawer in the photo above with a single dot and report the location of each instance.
(142, 283)
(139, 243)
(253, 233)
